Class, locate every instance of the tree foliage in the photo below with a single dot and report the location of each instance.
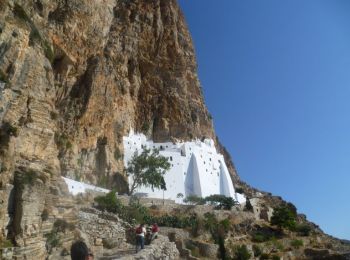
(221, 201)
(109, 202)
(194, 200)
(284, 217)
(147, 169)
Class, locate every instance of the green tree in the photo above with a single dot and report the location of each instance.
(221, 201)
(179, 195)
(194, 200)
(284, 217)
(147, 169)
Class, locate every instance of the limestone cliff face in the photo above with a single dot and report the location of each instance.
(76, 75)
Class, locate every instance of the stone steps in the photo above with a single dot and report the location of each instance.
(118, 254)
(30, 252)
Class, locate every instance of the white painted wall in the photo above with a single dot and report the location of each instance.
(76, 187)
(196, 168)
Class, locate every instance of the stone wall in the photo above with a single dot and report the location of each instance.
(160, 249)
(101, 229)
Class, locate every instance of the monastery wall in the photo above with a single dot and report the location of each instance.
(196, 168)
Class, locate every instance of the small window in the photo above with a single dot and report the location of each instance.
(209, 159)
(171, 158)
(184, 173)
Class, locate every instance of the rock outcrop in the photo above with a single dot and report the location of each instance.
(76, 76)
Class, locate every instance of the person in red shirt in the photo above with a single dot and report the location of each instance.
(154, 230)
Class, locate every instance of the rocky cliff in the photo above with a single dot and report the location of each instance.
(76, 76)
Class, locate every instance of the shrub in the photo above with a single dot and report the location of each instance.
(10, 129)
(62, 141)
(52, 240)
(225, 225)
(20, 13)
(241, 253)
(109, 202)
(303, 229)
(296, 243)
(284, 217)
(210, 222)
(257, 250)
(277, 244)
(260, 237)
(117, 154)
(53, 115)
(264, 256)
(4, 243)
(275, 257)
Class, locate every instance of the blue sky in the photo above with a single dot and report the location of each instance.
(276, 78)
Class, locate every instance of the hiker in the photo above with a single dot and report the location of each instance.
(140, 237)
(80, 251)
(154, 232)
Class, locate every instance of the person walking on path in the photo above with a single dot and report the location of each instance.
(140, 237)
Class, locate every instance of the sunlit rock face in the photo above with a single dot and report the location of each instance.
(75, 76)
(196, 168)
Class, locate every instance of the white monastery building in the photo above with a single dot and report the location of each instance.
(196, 168)
(76, 187)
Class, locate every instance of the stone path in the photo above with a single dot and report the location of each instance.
(120, 253)
(161, 248)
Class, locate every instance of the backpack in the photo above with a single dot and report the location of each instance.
(155, 229)
(139, 230)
